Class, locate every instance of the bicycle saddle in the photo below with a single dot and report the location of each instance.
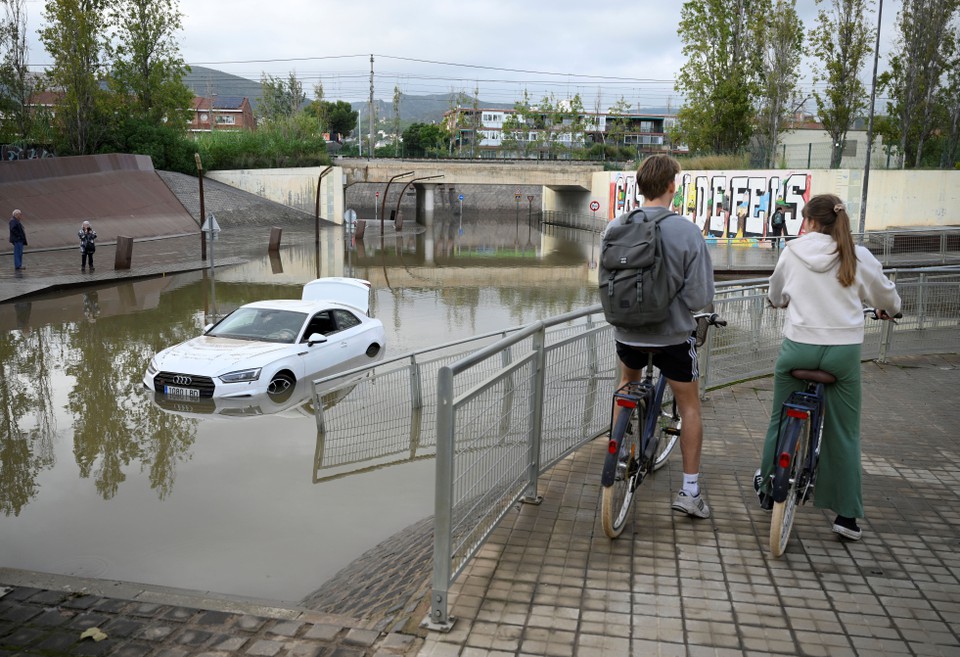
(819, 376)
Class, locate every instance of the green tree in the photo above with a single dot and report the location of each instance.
(341, 117)
(840, 43)
(146, 67)
(951, 103)
(280, 98)
(720, 78)
(16, 83)
(518, 126)
(917, 71)
(783, 48)
(75, 36)
(397, 96)
(425, 140)
(617, 122)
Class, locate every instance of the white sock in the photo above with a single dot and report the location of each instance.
(690, 484)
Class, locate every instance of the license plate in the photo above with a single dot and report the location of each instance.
(173, 391)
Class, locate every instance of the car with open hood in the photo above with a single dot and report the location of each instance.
(266, 347)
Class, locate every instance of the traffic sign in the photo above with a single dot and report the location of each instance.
(461, 197)
(530, 198)
(517, 197)
(378, 194)
(594, 205)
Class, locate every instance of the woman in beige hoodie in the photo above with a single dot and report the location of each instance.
(823, 281)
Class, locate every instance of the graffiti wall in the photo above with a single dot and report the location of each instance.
(726, 204)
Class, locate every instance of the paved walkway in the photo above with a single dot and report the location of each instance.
(551, 583)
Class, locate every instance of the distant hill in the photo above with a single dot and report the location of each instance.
(205, 81)
(211, 82)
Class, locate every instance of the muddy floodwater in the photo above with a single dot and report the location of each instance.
(100, 479)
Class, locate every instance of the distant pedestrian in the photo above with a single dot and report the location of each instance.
(18, 237)
(88, 244)
(778, 223)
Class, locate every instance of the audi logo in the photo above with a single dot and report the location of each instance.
(182, 380)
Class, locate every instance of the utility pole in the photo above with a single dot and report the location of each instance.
(873, 97)
(370, 149)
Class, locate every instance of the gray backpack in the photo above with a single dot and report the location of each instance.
(635, 291)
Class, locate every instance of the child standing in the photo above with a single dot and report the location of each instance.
(88, 245)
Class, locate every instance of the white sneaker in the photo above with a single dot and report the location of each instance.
(692, 505)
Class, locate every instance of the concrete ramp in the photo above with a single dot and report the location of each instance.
(118, 194)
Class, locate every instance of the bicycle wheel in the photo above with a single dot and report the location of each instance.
(668, 429)
(790, 473)
(617, 497)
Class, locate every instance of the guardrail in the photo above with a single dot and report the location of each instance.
(497, 435)
(918, 246)
(521, 400)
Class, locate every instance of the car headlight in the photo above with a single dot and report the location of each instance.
(152, 368)
(241, 376)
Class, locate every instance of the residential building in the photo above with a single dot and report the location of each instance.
(221, 113)
(499, 133)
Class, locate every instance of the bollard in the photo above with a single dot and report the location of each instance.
(275, 234)
(361, 227)
(124, 252)
(398, 221)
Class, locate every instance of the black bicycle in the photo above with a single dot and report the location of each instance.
(798, 450)
(642, 435)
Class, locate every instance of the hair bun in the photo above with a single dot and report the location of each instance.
(838, 208)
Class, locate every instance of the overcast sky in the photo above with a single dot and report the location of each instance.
(432, 47)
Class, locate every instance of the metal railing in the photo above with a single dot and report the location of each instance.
(915, 246)
(500, 409)
(497, 435)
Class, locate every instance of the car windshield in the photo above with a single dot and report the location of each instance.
(261, 324)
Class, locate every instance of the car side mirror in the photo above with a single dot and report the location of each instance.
(316, 338)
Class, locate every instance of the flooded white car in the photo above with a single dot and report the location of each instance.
(266, 347)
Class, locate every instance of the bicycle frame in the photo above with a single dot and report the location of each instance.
(629, 396)
(807, 404)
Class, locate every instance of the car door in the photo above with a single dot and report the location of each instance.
(344, 347)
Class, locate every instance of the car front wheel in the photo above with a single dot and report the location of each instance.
(281, 386)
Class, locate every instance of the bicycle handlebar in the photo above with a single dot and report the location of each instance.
(880, 313)
(713, 319)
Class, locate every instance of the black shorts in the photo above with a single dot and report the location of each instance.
(678, 362)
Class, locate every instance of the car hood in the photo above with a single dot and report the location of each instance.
(213, 356)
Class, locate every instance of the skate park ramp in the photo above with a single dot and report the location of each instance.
(118, 194)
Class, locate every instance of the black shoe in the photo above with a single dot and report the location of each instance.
(766, 501)
(91, 268)
(847, 528)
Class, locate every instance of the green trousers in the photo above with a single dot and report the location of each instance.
(839, 482)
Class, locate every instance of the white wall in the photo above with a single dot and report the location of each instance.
(294, 187)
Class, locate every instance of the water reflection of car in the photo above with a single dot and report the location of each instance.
(266, 347)
(300, 403)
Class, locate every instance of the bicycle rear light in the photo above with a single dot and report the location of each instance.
(784, 460)
(797, 413)
(612, 447)
(626, 403)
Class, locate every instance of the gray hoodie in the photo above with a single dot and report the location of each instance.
(689, 265)
(820, 311)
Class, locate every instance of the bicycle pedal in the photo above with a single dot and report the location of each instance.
(671, 431)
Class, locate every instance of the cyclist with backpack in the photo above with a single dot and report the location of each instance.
(650, 302)
(823, 279)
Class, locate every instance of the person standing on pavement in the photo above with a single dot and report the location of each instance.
(778, 223)
(688, 263)
(88, 245)
(18, 237)
(823, 280)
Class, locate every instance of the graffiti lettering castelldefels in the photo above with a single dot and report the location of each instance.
(734, 204)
